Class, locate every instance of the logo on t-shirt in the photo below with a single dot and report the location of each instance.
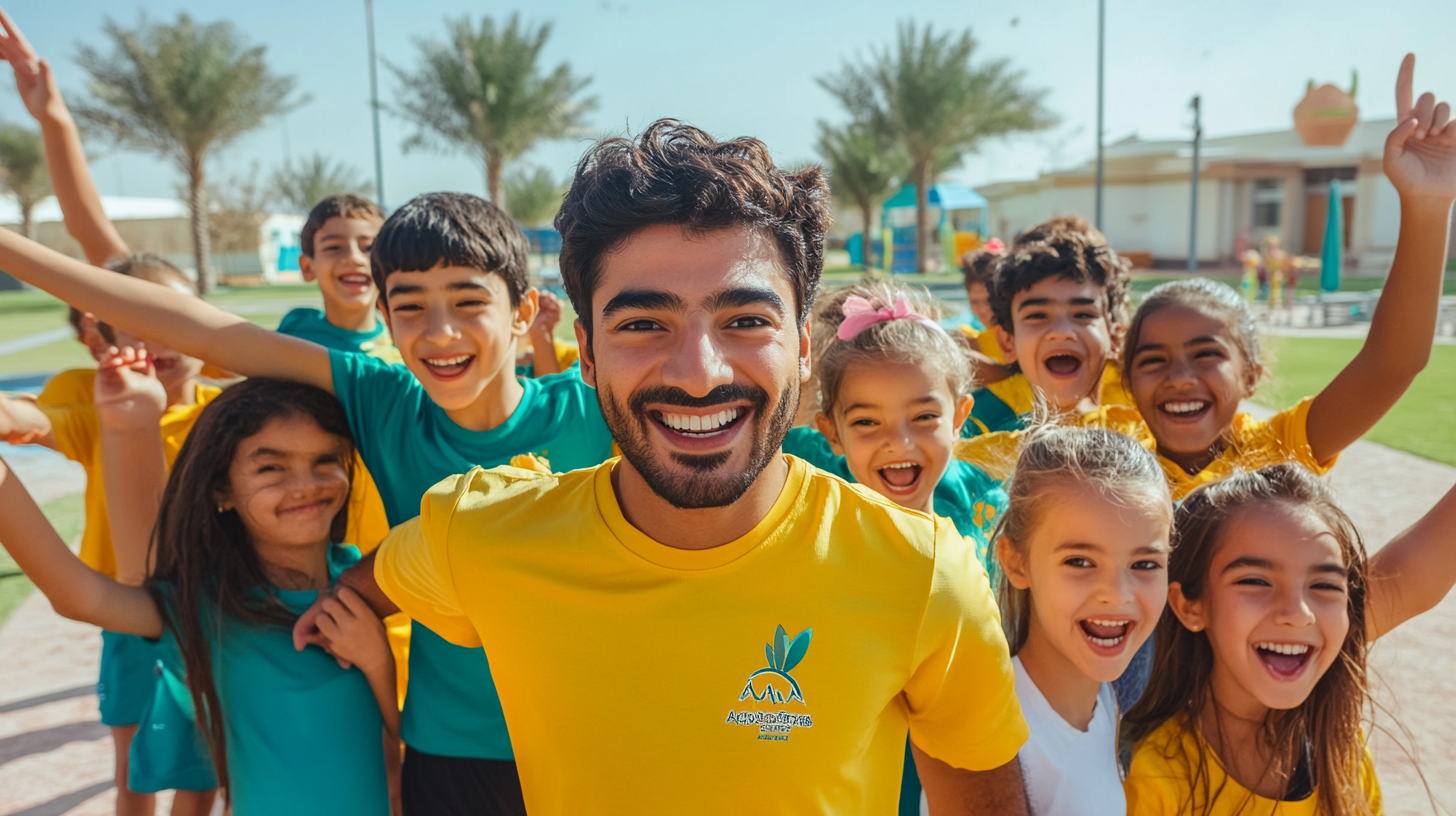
(773, 685)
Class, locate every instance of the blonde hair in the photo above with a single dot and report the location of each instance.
(906, 341)
(1114, 465)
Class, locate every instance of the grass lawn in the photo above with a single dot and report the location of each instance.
(1419, 423)
(66, 515)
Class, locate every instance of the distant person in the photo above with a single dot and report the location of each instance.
(988, 356)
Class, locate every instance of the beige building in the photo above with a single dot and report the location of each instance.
(162, 226)
(1250, 186)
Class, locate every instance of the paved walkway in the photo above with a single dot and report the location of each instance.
(55, 757)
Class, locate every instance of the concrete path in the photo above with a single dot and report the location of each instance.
(55, 757)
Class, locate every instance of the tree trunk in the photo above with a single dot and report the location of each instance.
(28, 227)
(921, 173)
(493, 177)
(201, 242)
(866, 214)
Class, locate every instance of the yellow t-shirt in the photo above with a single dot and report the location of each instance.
(77, 432)
(985, 341)
(1160, 781)
(1251, 444)
(773, 674)
(72, 385)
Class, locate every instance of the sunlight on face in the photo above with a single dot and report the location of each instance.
(1098, 575)
(1187, 376)
(697, 358)
(1063, 339)
(457, 331)
(1275, 607)
(340, 261)
(287, 482)
(895, 425)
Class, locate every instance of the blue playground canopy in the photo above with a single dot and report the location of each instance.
(944, 196)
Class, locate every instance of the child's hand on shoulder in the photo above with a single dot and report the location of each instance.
(128, 394)
(33, 77)
(354, 634)
(1420, 154)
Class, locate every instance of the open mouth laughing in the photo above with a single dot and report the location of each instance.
(355, 281)
(1106, 636)
(1285, 661)
(448, 368)
(901, 477)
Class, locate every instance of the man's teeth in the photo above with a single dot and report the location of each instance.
(1189, 407)
(458, 359)
(1284, 648)
(692, 422)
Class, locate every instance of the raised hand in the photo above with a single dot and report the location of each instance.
(128, 393)
(33, 77)
(548, 314)
(1420, 154)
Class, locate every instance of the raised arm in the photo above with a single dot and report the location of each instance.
(71, 178)
(1415, 571)
(1420, 160)
(187, 324)
(75, 590)
(129, 404)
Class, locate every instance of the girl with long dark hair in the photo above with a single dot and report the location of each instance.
(245, 538)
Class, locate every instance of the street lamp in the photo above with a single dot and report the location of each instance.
(1101, 16)
(1196, 104)
(374, 108)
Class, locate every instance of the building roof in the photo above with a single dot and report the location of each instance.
(118, 208)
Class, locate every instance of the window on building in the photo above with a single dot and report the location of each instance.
(1268, 203)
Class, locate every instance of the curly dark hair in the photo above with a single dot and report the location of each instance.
(1064, 248)
(674, 173)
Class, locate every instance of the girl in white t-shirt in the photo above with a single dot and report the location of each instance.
(1083, 547)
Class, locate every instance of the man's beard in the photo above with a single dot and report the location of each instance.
(702, 486)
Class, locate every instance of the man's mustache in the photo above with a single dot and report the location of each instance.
(668, 395)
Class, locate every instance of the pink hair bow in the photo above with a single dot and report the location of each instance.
(860, 314)
(994, 246)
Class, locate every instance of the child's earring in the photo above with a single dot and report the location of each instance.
(221, 509)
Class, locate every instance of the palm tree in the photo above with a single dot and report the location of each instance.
(23, 172)
(182, 91)
(482, 92)
(926, 93)
(299, 187)
(532, 197)
(864, 166)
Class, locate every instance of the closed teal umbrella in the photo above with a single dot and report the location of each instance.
(1331, 250)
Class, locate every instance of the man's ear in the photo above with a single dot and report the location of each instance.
(1190, 612)
(526, 312)
(1012, 564)
(827, 427)
(587, 358)
(305, 266)
(963, 410)
(1007, 341)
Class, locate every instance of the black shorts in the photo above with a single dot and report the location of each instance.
(433, 785)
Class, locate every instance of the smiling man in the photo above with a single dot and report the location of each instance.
(706, 625)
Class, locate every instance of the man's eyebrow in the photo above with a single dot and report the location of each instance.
(644, 299)
(741, 296)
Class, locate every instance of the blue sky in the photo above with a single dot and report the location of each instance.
(748, 67)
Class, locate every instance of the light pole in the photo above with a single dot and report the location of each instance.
(374, 109)
(1101, 16)
(1193, 209)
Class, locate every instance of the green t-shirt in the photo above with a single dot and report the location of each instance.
(310, 324)
(966, 495)
(304, 736)
(409, 444)
(991, 413)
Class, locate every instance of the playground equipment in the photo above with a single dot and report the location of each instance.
(958, 212)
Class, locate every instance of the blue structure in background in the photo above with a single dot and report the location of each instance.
(946, 199)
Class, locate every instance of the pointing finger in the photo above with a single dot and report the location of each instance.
(1404, 84)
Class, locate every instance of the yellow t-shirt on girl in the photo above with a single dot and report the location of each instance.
(1160, 781)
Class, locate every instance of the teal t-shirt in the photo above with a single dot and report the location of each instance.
(304, 736)
(991, 411)
(409, 444)
(310, 324)
(966, 495)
